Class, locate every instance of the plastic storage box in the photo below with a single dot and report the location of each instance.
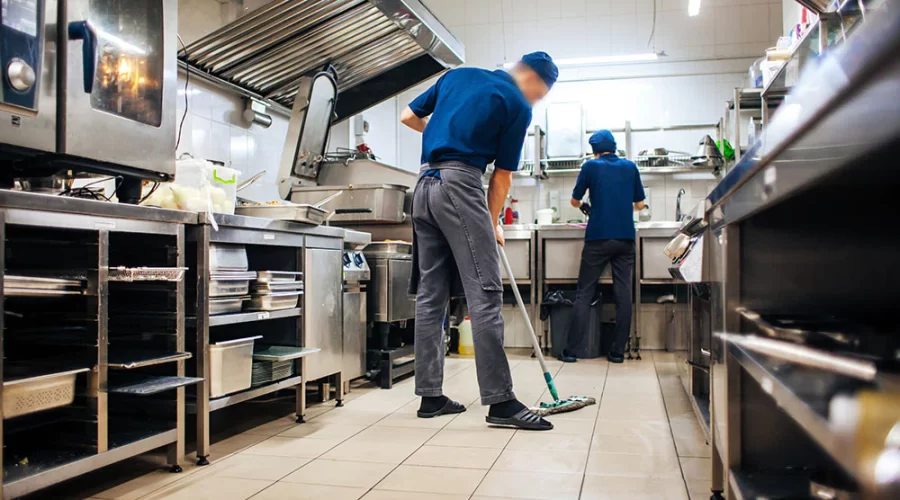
(231, 366)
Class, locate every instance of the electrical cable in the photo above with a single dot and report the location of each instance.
(187, 80)
(653, 29)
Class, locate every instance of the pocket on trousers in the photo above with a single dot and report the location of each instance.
(482, 247)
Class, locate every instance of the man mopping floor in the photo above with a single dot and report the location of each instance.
(477, 117)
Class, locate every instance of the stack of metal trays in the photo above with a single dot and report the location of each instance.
(31, 286)
(228, 290)
(265, 372)
(276, 290)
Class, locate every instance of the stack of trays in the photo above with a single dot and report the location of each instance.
(229, 279)
(33, 286)
(265, 372)
(228, 290)
(276, 290)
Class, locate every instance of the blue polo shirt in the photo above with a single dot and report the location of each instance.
(615, 185)
(478, 117)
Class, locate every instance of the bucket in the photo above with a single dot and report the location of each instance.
(466, 344)
(545, 215)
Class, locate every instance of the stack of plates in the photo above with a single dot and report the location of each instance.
(265, 372)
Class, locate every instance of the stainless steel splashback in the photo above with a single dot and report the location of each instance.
(378, 47)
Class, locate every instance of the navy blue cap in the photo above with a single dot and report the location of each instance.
(603, 142)
(543, 65)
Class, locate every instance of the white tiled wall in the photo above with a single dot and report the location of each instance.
(214, 129)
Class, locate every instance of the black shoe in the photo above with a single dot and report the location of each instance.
(567, 357)
(614, 357)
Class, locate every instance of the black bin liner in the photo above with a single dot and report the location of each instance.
(558, 305)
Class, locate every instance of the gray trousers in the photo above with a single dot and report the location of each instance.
(454, 239)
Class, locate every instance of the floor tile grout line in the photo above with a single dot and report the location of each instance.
(491, 468)
(672, 431)
(593, 432)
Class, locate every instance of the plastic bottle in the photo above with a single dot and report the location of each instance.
(466, 343)
(508, 215)
(515, 211)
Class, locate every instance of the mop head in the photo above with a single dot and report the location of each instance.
(564, 405)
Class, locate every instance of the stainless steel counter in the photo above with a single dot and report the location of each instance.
(529, 246)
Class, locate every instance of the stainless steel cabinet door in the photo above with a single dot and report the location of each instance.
(121, 82)
(354, 334)
(323, 311)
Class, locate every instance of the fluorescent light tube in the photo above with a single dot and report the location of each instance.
(590, 61)
(694, 8)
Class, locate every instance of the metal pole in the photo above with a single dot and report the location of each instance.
(102, 341)
(628, 152)
(203, 344)
(176, 450)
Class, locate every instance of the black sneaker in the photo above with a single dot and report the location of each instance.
(567, 357)
(614, 357)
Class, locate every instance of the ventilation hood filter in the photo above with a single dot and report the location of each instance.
(378, 47)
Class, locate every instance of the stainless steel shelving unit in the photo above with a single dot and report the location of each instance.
(773, 429)
(82, 240)
(292, 243)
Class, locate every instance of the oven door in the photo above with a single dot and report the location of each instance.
(27, 74)
(121, 83)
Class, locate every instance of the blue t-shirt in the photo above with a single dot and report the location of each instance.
(615, 185)
(478, 117)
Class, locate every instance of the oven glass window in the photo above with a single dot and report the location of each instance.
(20, 15)
(129, 77)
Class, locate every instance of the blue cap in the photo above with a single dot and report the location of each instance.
(543, 65)
(603, 142)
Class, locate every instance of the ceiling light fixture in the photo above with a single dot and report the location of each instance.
(598, 60)
(694, 8)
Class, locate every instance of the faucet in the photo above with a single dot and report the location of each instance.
(679, 215)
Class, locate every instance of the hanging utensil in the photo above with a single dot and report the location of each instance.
(250, 181)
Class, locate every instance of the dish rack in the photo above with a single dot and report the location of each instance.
(672, 159)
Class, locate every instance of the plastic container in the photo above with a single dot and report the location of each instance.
(466, 343)
(515, 211)
(545, 216)
(231, 366)
(200, 186)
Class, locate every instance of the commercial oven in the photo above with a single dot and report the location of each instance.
(92, 81)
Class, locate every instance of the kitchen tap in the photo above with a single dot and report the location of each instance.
(679, 215)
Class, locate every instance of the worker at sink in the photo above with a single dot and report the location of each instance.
(616, 190)
(478, 117)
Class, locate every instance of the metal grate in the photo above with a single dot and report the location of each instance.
(268, 50)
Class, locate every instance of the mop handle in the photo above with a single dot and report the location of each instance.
(534, 339)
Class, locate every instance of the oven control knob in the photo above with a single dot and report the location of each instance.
(21, 76)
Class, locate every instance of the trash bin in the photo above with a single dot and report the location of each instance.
(558, 305)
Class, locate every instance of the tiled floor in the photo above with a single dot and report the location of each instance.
(640, 442)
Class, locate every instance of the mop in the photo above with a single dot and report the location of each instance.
(558, 405)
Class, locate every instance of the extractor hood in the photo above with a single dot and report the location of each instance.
(378, 47)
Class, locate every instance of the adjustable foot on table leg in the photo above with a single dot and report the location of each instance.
(339, 404)
(717, 495)
(300, 419)
(175, 469)
(203, 461)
